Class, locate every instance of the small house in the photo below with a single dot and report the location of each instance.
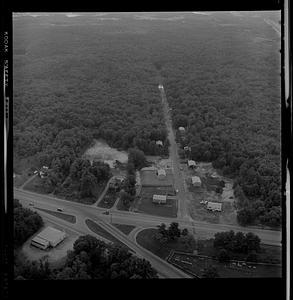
(196, 181)
(159, 143)
(191, 163)
(161, 173)
(159, 199)
(181, 129)
(214, 206)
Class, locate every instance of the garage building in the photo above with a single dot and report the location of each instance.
(49, 237)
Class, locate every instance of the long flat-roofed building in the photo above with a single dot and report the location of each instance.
(49, 237)
(214, 206)
(159, 199)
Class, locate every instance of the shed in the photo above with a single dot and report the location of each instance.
(191, 163)
(159, 199)
(161, 173)
(214, 206)
(195, 181)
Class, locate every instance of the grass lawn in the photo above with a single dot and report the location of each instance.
(145, 238)
(126, 229)
(65, 217)
(20, 179)
(109, 199)
(36, 186)
(96, 228)
(145, 204)
(150, 178)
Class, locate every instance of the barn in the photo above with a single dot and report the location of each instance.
(159, 199)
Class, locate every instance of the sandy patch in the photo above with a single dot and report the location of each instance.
(102, 151)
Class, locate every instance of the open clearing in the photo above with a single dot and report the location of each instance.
(102, 151)
(145, 204)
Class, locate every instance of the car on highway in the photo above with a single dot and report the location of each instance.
(59, 209)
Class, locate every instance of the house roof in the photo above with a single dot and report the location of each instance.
(181, 128)
(51, 234)
(161, 172)
(195, 179)
(191, 163)
(214, 205)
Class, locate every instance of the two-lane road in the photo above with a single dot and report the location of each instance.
(178, 178)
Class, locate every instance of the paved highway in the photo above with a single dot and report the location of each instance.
(83, 211)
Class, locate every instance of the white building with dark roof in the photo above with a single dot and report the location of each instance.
(159, 199)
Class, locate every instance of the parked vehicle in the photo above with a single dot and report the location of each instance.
(59, 209)
(31, 204)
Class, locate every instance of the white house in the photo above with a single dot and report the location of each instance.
(159, 143)
(48, 237)
(195, 181)
(159, 199)
(191, 163)
(161, 173)
(215, 206)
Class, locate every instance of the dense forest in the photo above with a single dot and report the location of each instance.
(76, 79)
(26, 223)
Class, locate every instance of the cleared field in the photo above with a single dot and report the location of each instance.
(150, 178)
(145, 204)
(195, 264)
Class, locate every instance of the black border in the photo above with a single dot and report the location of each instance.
(229, 288)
